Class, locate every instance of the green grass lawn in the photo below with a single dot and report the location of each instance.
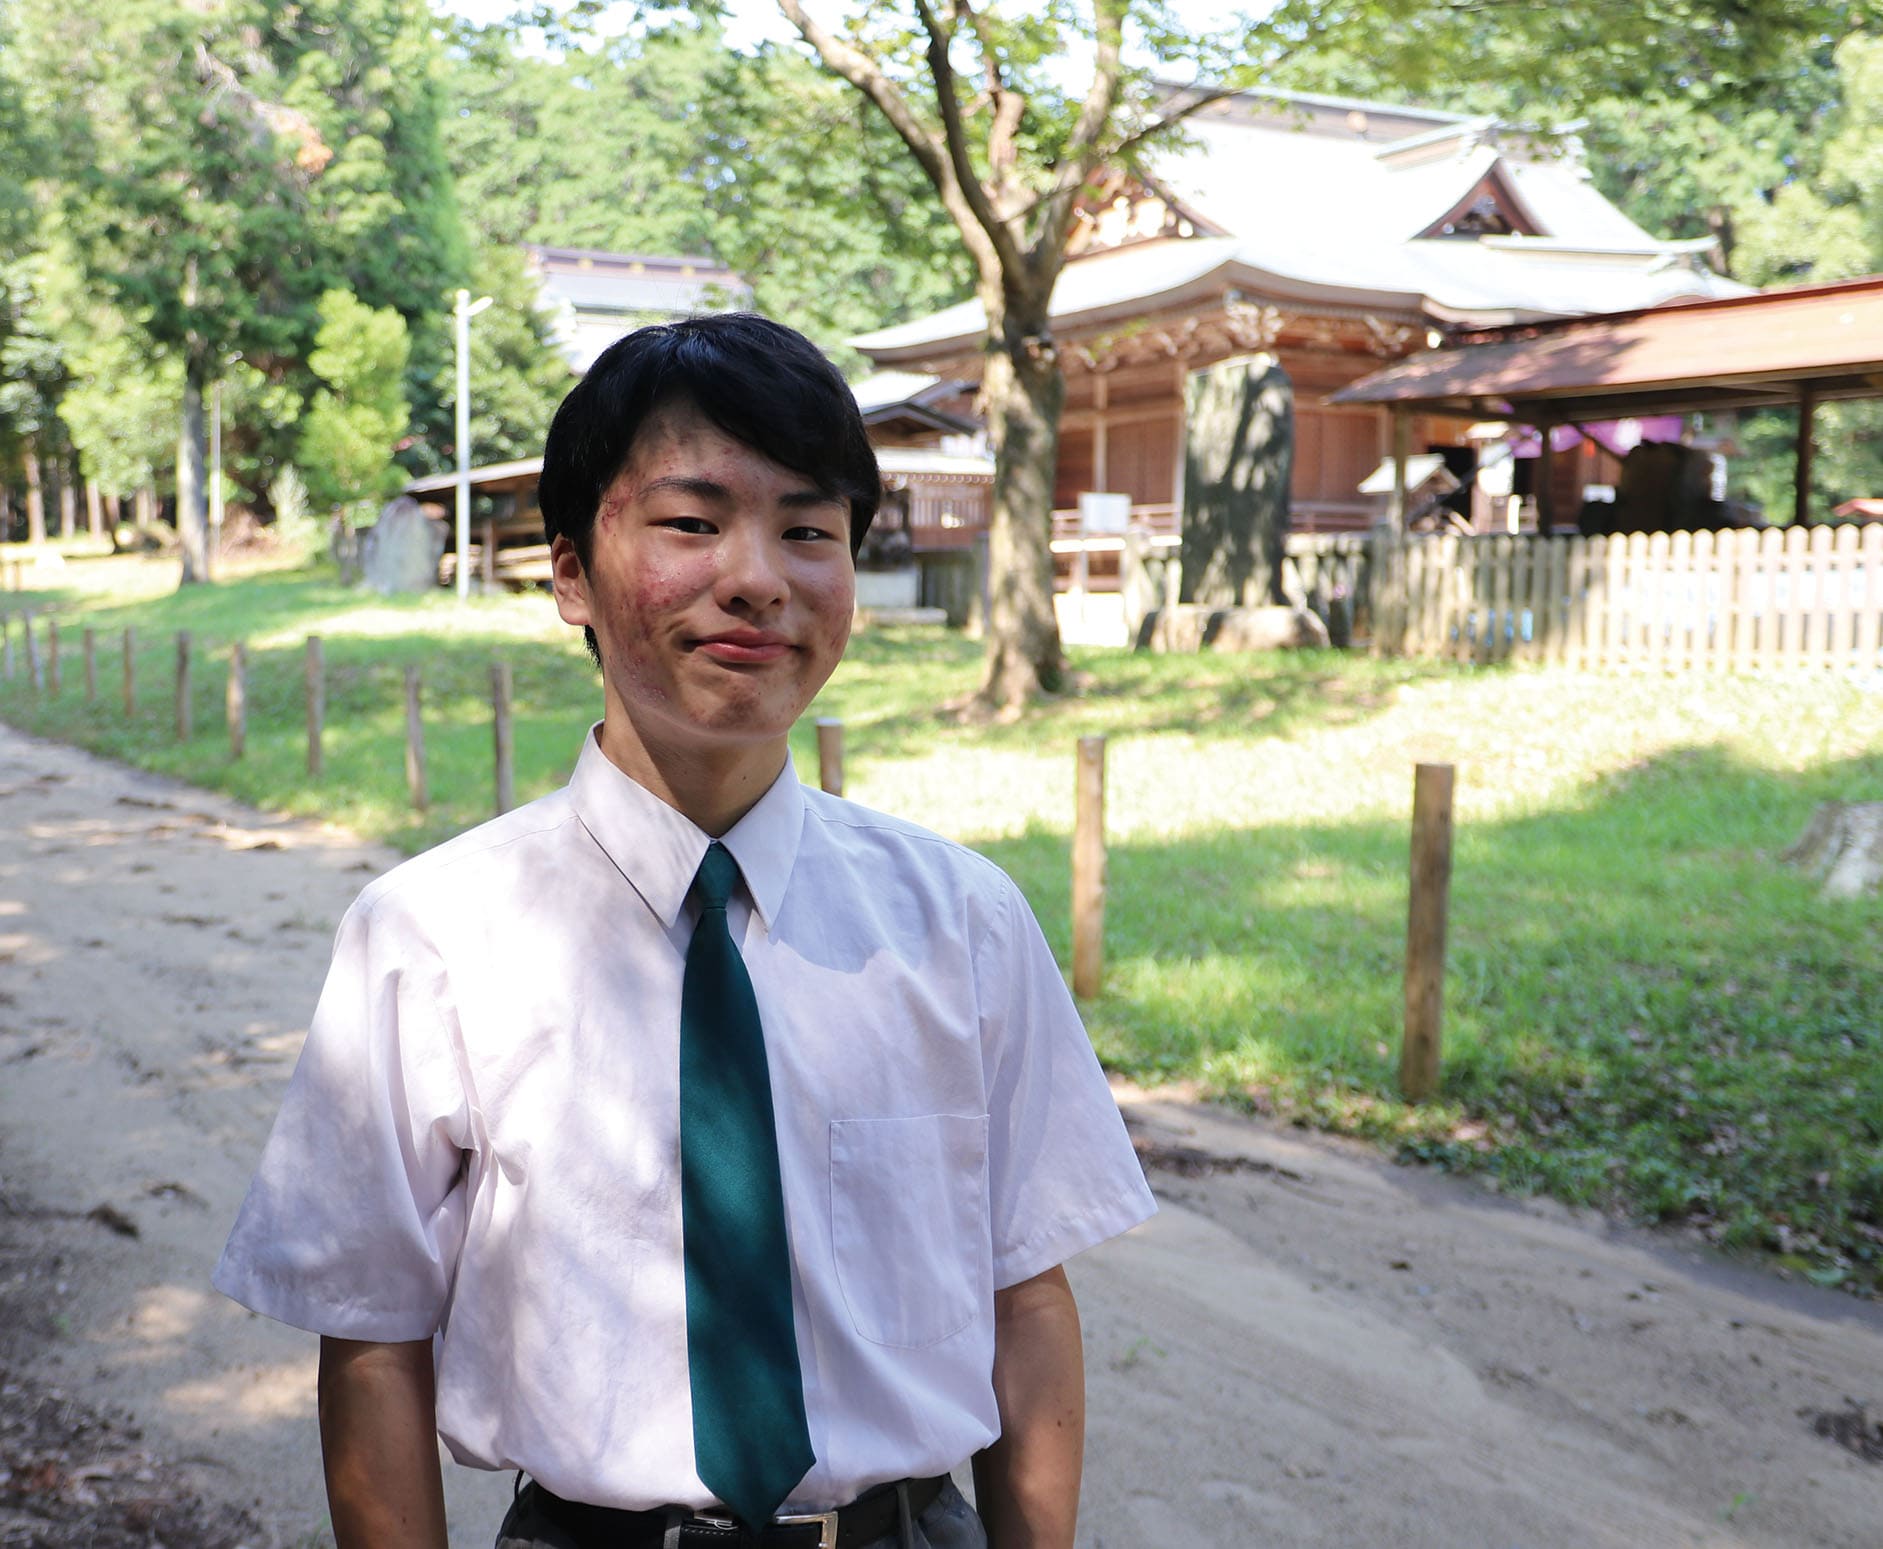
(1645, 1009)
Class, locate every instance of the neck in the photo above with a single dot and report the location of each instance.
(713, 790)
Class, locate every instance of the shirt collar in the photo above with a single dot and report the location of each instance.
(659, 849)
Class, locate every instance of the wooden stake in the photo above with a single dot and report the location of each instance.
(6, 646)
(89, 645)
(415, 741)
(53, 675)
(316, 703)
(183, 685)
(503, 746)
(1425, 930)
(1088, 871)
(130, 672)
(238, 700)
(830, 754)
(487, 560)
(33, 674)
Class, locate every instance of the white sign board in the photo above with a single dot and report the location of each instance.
(1102, 512)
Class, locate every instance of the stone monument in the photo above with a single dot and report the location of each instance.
(400, 552)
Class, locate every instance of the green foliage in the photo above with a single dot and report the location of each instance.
(354, 423)
(207, 174)
(759, 161)
(819, 206)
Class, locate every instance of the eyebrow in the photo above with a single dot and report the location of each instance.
(713, 490)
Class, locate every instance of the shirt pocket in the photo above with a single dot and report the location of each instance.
(908, 1225)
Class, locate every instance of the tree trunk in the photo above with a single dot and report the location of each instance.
(1022, 393)
(94, 509)
(145, 510)
(68, 501)
(35, 496)
(192, 494)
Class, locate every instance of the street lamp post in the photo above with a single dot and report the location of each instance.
(466, 310)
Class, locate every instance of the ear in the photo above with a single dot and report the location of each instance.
(570, 582)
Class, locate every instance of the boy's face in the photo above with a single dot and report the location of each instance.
(719, 585)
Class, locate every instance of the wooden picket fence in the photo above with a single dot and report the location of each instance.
(1741, 601)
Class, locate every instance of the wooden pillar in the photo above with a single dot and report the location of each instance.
(1088, 871)
(1801, 468)
(89, 643)
(415, 784)
(1430, 900)
(53, 681)
(316, 683)
(830, 754)
(1402, 451)
(1101, 452)
(1182, 441)
(183, 685)
(130, 672)
(236, 704)
(1545, 482)
(488, 560)
(504, 746)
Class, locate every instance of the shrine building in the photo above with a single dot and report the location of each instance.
(1338, 236)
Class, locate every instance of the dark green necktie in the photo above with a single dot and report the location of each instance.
(751, 1444)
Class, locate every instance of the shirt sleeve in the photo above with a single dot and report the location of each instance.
(1062, 1173)
(355, 1217)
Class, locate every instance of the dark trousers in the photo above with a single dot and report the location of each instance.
(949, 1523)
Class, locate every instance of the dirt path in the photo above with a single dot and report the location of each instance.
(1306, 1348)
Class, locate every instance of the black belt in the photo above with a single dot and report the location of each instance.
(872, 1515)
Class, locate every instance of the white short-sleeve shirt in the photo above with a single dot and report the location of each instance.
(481, 1137)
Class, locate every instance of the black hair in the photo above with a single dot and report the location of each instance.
(760, 382)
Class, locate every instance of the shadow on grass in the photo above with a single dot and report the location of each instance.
(1645, 1009)
(1207, 695)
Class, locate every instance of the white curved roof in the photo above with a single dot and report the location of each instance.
(1322, 213)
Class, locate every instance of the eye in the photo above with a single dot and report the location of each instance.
(696, 526)
(809, 534)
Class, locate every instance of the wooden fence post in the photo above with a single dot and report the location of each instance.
(1425, 930)
(503, 745)
(316, 674)
(830, 754)
(34, 676)
(6, 646)
(238, 700)
(130, 672)
(89, 644)
(415, 741)
(183, 685)
(53, 675)
(1088, 871)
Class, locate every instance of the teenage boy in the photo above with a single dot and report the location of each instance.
(703, 1147)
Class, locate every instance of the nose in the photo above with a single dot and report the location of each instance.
(751, 570)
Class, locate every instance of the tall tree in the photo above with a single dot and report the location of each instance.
(217, 166)
(182, 183)
(357, 417)
(974, 91)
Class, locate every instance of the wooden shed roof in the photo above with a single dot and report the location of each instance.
(1739, 352)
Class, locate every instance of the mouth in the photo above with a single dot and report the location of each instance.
(740, 647)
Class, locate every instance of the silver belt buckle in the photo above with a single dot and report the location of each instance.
(826, 1526)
